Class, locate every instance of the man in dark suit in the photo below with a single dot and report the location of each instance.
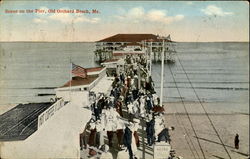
(127, 140)
(150, 130)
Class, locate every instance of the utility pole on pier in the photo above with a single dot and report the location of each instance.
(162, 67)
(150, 57)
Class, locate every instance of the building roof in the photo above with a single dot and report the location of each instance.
(111, 60)
(78, 81)
(94, 69)
(25, 115)
(92, 74)
(130, 38)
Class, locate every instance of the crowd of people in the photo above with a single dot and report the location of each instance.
(131, 103)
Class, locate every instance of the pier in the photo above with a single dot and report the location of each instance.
(133, 98)
(107, 48)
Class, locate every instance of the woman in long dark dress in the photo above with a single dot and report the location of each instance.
(236, 141)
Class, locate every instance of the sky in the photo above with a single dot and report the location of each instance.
(185, 21)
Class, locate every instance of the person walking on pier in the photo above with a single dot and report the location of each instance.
(135, 109)
(127, 141)
(130, 110)
(159, 124)
(164, 135)
(150, 130)
(118, 106)
(116, 93)
(128, 82)
(99, 134)
(129, 98)
(97, 111)
(92, 136)
(236, 141)
(149, 103)
(124, 90)
(135, 92)
(122, 77)
(136, 82)
(83, 136)
(111, 117)
(119, 132)
(135, 128)
(155, 99)
(142, 106)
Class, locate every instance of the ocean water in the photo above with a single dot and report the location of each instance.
(219, 72)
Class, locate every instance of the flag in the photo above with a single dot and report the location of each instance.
(79, 71)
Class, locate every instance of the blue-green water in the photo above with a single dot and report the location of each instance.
(219, 72)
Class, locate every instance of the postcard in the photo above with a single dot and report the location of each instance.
(124, 79)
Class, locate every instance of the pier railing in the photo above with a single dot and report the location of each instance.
(49, 112)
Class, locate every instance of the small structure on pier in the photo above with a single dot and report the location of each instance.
(119, 45)
(113, 66)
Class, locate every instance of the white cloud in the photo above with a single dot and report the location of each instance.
(39, 20)
(214, 10)
(161, 16)
(136, 12)
(156, 15)
(153, 15)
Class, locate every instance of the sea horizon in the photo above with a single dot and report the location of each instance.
(96, 41)
(218, 71)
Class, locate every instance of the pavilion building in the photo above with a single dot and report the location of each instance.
(121, 44)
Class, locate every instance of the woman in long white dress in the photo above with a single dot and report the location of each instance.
(136, 108)
(130, 108)
(159, 125)
(155, 101)
(142, 106)
(99, 133)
